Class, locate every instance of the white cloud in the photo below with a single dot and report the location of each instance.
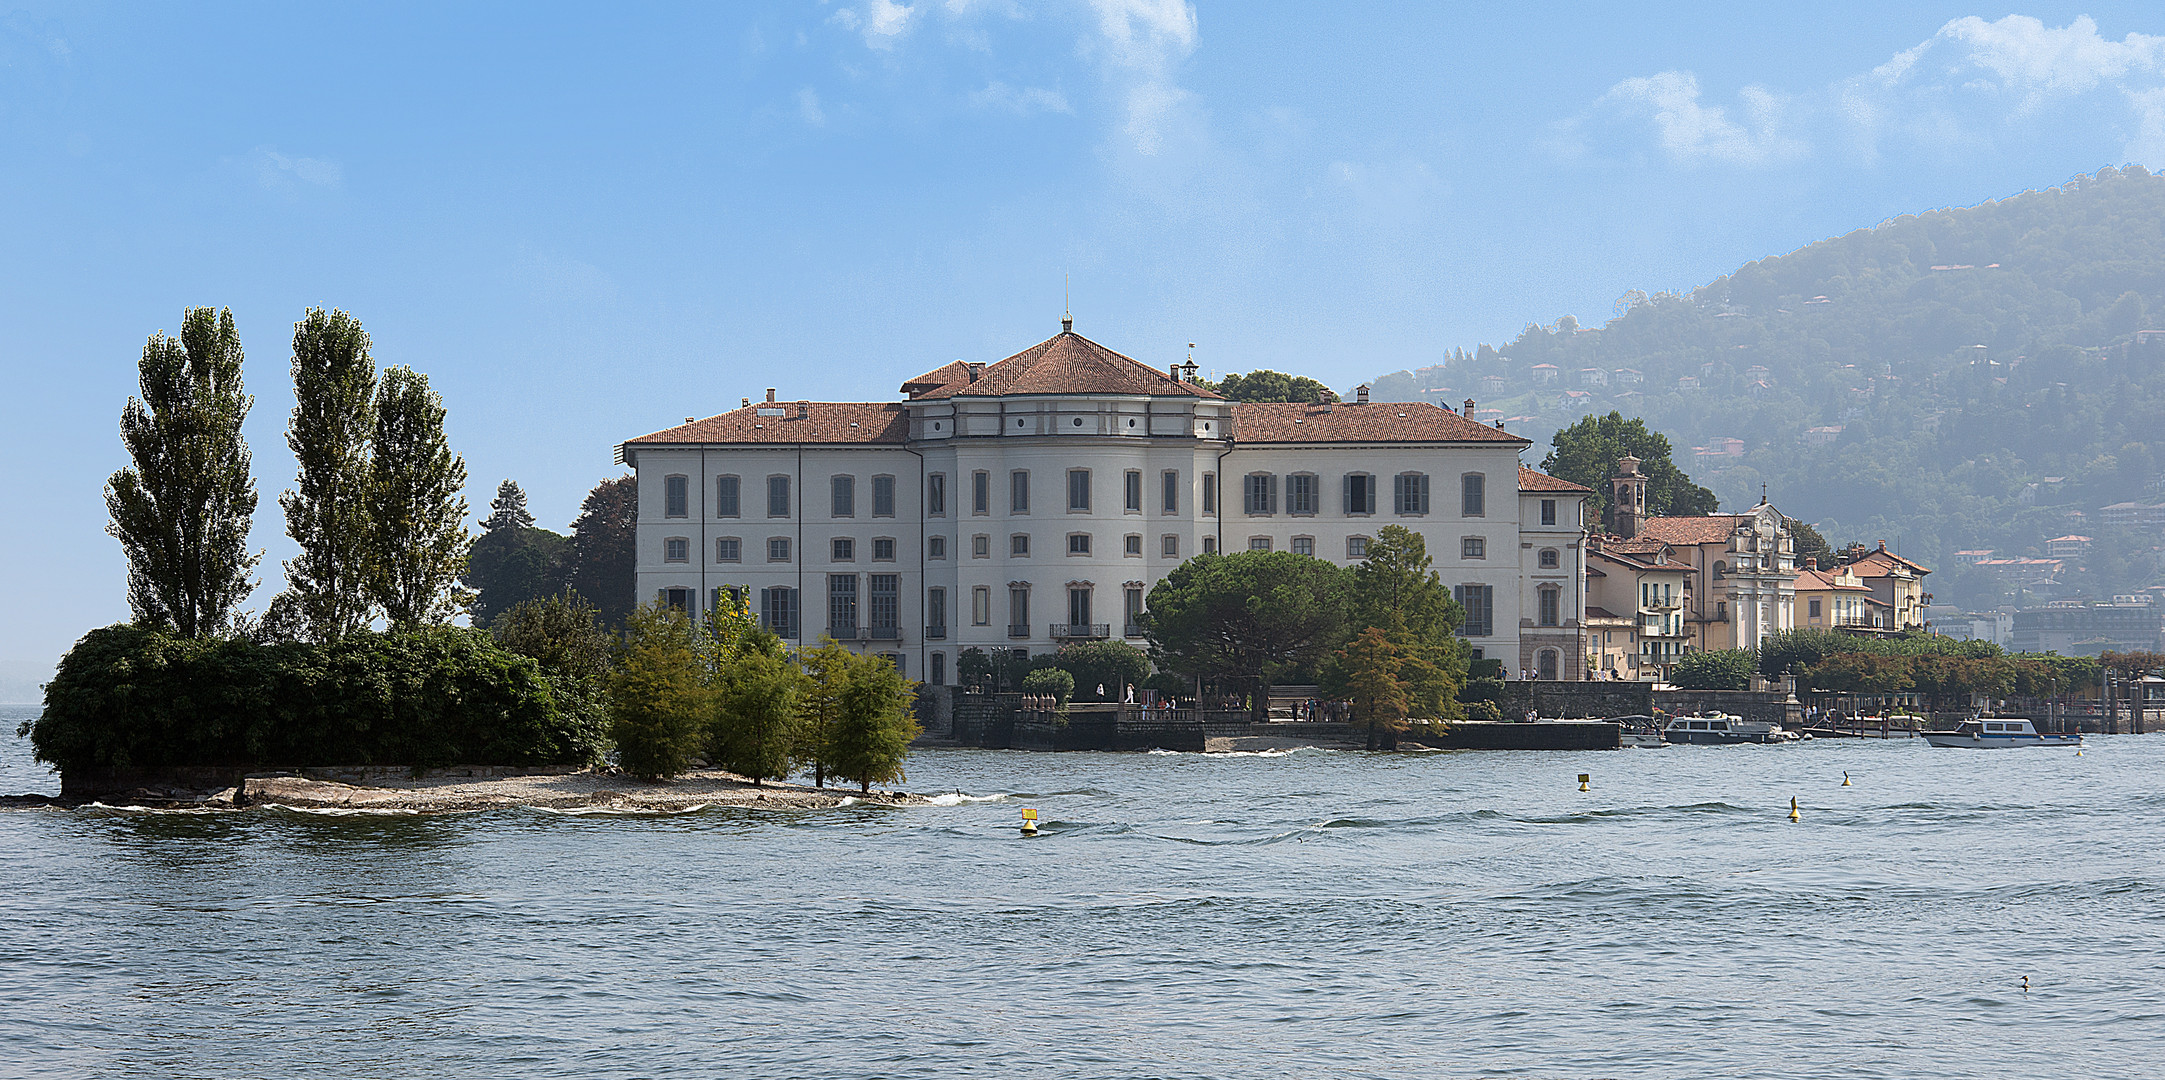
(1694, 132)
(1144, 41)
(1968, 85)
(1000, 96)
(881, 21)
(281, 173)
(808, 108)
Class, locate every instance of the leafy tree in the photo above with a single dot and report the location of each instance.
(1265, 385)
(334, 381)
(512, 564)
(181, 509)
(755, 726)
(604, 548)
(1368, 670)
(1246, 616)
(973, 668)
(508, 510)
(1587, 451)
(1113, 665)
(874, 727)
(1861, 673)
(658, 694)
(1055, 683)
(559, 632)
(1395, 590)
(1809, 544)
(1718, 669)
(826, 672)
(417, 516)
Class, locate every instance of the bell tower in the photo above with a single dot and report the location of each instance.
(1627, 498)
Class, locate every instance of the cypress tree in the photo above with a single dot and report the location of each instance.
(182, 509)
(333, 380)
(416, 545)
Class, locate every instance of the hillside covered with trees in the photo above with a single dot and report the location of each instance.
(1988, 377)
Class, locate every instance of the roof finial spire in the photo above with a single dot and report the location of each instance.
(1067, 309)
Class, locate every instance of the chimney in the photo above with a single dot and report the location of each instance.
(1811, 562)
(1469, 408)
(747, 403)
(691, 419)
(1173, 372)
(1883, 545)
(770, 395)
(804, 409)
(975, 370)
(1360, 394)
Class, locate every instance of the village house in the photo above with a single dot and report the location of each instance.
(1635, 608)
(1834, 599)
(1741, 579)
(1032, 502)
(1896, 582)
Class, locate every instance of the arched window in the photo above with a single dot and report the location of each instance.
(1545, 665)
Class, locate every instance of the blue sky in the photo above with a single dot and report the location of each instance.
(585, 223)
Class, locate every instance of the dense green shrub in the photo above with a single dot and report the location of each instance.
(1720, 669)
(1050, 682)
(130, 696)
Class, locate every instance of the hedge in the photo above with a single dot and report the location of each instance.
(126, 696)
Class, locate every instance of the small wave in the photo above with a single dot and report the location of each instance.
(341, 811)
(131, 808)
(957, 799)
(620, 811)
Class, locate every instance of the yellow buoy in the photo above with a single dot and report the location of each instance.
(1793, 814)
(1845, 779)
(1029, 822)
(1583, 778)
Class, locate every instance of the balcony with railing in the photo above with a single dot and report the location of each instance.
(1081, 631)
(1134, 630)
(1018, 630)
(885, 633)
(936, 633)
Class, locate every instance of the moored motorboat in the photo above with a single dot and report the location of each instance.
(1638, 732)
(1993, 732)
(1725, 728)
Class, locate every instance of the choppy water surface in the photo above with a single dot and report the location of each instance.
(1306, 914)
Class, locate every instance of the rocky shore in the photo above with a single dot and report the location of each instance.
(457, 790)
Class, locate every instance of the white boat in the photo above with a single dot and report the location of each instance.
(1725, 728)
(1638, 733)
(1992, 732)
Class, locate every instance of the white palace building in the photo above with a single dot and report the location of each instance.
(1032, 502)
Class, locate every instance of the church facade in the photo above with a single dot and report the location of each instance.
(1032, 502)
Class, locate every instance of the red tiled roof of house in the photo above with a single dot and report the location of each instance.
(953, 373)
(1068, 363)
(1535, 480)
(833, 422)
(1711, 529)
(1375, 421)
(1882, 563)
(1823, 581)
(1594, 612)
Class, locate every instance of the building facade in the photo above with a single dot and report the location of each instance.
(1032, 502)
(1636, 611)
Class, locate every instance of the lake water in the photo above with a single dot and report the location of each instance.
(1311, 914)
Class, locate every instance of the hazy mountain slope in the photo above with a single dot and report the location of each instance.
(1966, 356)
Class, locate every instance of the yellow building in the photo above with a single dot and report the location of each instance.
(1832, 599)
(1895, 582)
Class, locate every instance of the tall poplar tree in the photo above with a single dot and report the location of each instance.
(326, 514)
(416, 509)
(182, 509)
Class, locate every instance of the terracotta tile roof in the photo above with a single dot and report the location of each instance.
(1823, 581)
(954, 373)
(835, 422)
(1593, 612)
(1376, 421)
(1533, 480)
(1714, 528)
(1882, 563)
(1068, 363)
